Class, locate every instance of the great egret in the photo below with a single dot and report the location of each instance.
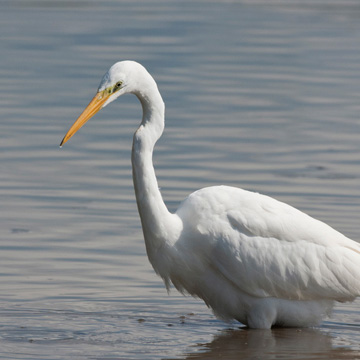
(248, 256)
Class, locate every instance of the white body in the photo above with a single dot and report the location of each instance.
(257, 260)
(248, 256)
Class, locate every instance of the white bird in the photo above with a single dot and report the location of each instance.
(248, 256)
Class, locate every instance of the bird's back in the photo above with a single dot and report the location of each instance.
(265, 248)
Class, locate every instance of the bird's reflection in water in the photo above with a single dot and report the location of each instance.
(278, 343)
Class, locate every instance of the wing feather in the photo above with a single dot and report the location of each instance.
(269, 249)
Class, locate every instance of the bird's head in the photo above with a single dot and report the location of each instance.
(122, 78)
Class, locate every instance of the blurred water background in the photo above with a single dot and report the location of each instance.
(264, 95)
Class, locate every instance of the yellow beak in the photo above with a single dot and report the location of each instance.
(94, 106)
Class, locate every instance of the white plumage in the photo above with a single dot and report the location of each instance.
(248, 256)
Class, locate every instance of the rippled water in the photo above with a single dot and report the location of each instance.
(262, 95)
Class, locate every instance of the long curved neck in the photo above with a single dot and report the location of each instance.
(155, 217)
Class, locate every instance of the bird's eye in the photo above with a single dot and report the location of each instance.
(118, 85)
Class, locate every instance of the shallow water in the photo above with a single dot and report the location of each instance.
(262, 95)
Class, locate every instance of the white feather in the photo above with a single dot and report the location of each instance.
(248, 256)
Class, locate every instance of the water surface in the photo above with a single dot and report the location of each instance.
(262, 95)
